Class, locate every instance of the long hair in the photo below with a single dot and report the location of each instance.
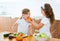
(49, 13)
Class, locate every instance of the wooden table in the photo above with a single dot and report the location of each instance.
(54, 39)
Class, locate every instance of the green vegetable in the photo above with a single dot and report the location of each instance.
(6, 35)
(43, 35)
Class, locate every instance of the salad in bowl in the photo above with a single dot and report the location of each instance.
(41, 37)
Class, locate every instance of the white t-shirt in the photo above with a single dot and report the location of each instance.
(22, 25)
(46, 28)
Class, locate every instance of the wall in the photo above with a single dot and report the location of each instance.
(13, 8)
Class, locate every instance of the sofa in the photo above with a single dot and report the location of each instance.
(7, 22)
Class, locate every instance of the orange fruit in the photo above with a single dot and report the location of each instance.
(29, 18)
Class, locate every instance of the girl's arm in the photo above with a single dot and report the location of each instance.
(14, 27)
(30, 30)
(36, 25)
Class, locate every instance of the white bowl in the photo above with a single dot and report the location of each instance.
(41, 39)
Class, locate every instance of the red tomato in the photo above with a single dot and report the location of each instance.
(20, 34)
